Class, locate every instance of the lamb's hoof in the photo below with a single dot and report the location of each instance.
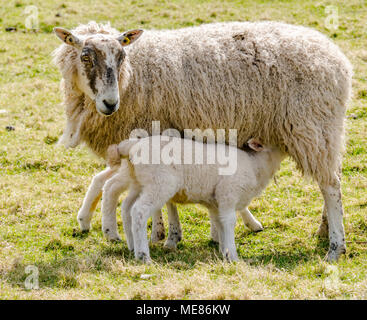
(323, 231)
(115, 239)
(256, 227)
(335, 252)
(112, 236)
(84, 225)
(143, 257)
(231, 257)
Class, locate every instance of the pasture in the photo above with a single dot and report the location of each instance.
(42, 184)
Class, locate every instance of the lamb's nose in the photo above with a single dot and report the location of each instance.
(110, 105)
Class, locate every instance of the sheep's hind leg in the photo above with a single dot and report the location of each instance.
(174, 229)
(323, 230)
(92, 197)
(334, 209)
(250, 221)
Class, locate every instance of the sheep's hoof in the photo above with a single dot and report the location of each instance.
(170, 244)
(334, 253)
(157, 236)
(323, 231)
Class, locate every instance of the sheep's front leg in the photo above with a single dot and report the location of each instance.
(71, 136)
(92, 197)
(334, 209)
(174, 230)
(111, 192)
(250, 221)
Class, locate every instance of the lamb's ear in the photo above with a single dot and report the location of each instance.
(255, 145)
(129, 37)
(67, 37)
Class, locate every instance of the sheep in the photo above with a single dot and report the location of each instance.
(183, 181)
(109, 224)
(288, 84)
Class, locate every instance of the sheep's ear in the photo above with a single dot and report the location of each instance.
(129, 37)
(255, 145)
(67, 37)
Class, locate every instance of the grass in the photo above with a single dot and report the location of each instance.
(42, 185)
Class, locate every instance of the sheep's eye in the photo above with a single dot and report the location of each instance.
(126, 40)
(86, 58)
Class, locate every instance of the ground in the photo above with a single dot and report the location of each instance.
(42, 184)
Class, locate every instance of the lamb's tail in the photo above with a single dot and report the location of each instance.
(113, 156)
(125, 146)
(116, 152)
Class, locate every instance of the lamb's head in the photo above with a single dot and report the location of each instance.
(273, 152)
(98, 66)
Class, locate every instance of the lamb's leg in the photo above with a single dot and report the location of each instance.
(111, 192)
(174, 230)
(126, 215)
(151, 199)
(158, 230)
(250, 221)
(227, 219)
(92, 197)
(334, 209)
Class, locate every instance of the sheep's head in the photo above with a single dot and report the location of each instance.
(98, 66)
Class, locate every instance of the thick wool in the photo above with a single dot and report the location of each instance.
(287, 84)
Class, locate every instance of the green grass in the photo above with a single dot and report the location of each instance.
(42, 185)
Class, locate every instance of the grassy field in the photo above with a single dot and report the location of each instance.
(42, 185)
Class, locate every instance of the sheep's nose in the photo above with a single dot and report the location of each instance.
(110, 105)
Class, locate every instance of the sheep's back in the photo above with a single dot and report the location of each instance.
(242, 75)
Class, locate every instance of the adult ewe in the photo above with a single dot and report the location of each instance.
(287, 84)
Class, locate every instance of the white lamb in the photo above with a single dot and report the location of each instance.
(152, 185)
(119, 184)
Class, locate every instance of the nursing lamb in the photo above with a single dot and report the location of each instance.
(184, 181)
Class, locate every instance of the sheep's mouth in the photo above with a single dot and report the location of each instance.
(105, 113)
